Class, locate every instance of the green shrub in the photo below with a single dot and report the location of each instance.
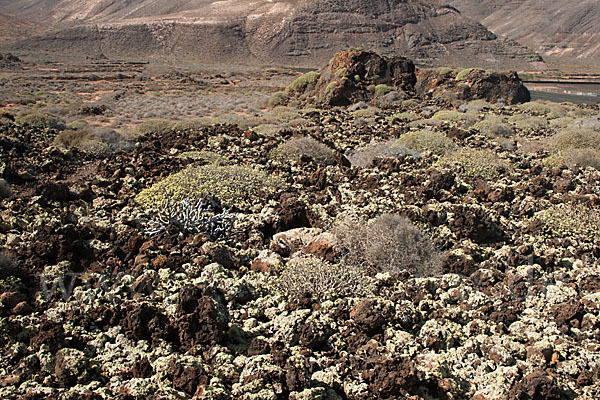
(92, 140)
(466, 119)
(209, 157)
(494, 126)
(277, 98)
(575, 147)
(527, 123)
(296, 147)
(425, 140)
(40, 120)
(475, 163)
(574, 157)
(77, 125)
(303, 82)
(407, 116)
(193, 124)
(580, 222)
(462, 75)
(576, 139)
(389, 243)
(155, 126)
(539, 108)
(382, 89)
(235, 185)
(364, 156)
(310, 276)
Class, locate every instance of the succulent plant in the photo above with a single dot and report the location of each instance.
(188, 217)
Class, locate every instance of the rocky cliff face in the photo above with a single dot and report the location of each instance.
(301, 32)
(549, 27)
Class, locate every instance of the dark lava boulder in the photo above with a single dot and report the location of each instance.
(357, 75)
(472, 84)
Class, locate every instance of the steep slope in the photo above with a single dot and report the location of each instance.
(300, 32)
(13, 28)
(550, 27)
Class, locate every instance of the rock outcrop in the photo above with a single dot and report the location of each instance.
(471, 84)
(357, 76)
(300, 33)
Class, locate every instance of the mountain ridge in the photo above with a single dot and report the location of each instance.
(302, 32)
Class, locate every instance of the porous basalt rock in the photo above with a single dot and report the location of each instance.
(472, 84)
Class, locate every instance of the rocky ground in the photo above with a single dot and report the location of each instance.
(93, 307)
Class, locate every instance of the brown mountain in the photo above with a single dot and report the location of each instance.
(550, 27)
(300, 32)
(13, 28)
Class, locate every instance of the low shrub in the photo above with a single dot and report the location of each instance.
(320, 280)
(193, 124)
(364, 156)
(92, 140)
(549, 110)
(576, 139)
(475, 163)
(235, 185)
(407, 116)
(494, 126)
(40, 120)
(382, 89)
(462, 75)
(155, 126)
(577, 221)
(475, 105)
(527, 123)
(298, 146)
(277, 99)
(574, 157)
(465, 119)
(425, 140)
(208, 157)
(388, 243)
(303, 82)
(575, 147)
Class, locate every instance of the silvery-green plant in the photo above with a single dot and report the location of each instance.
(186, 217)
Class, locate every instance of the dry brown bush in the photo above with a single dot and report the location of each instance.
(389, 243)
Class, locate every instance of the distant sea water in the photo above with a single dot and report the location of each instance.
(584, 93)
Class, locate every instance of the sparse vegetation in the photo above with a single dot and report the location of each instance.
(40, 120)
(382, 89)
(572, 147)
(365, 156)
(425, 140)
(298, 146)
(527, 123)
(494, 126)
(580, 222)
(320, 280)
(465, 119)
(475, 163)
(389, 243)
(303, 82)
(155, 126)
(93, 140)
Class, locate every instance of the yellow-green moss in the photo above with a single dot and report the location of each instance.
(462, 75)
(234, 185)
